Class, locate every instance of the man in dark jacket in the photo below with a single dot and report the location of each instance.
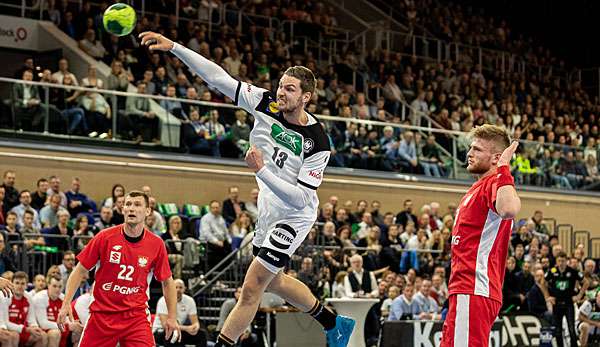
(232, 207)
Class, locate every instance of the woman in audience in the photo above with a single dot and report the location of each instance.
(117, 190)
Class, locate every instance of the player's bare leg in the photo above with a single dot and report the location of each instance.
(292, 291)
(256, 281)
(583, 334)
(53, 338)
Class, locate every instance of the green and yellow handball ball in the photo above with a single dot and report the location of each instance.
(119, 19)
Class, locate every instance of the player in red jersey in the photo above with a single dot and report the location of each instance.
(46, 305)
(20, 315)
(126, 257)
(480, 240)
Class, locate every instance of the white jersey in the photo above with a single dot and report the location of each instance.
(297, 155)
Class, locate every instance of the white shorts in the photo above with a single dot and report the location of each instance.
(276, 241)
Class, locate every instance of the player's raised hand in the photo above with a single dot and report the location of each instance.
(254, 159)
(507, 154)
(155, 41)
(172, 331)
(6, 287)
(65, 317)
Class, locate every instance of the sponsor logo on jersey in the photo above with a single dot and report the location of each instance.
(272, 107)
(142, 261)
(117, 247)
(115, 257)
(287, 139)
(316, 174)
(308, 145)
(455, 239)
(109, 287)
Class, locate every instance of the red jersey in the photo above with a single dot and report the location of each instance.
(124, 269)
(480, 240)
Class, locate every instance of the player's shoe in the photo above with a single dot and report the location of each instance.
(340, 334)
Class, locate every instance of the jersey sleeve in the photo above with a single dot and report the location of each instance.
(312, 171)
(90, 255)
(40, 304)
(162, 270)
(248, 97)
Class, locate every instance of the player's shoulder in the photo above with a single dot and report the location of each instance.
(152, 237)
(262, 97)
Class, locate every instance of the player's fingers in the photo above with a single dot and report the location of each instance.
(141, 35)
(168, 332)
(179, 334)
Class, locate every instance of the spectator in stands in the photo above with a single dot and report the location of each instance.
(40, 196)
(187, 317)
(91, 46)
(65, 99)
(430, 158)
(147, 79)
(161, 81)
(68, 263)
(139, 122)
(39, 284)
(403, 306)
(308, 275)
(215, 133)
(392, 293)
(92, 80)
(20, 314)
(173, 241)
(173, 106)
(589, 273)
(78, 202)
(2, 206)
(105, 218)
(63, 70)
(48, 214)
(117, 190)
(214, 230)
(536, 297)
(11, 228)
(242, 225)
(159, 221)
(426, 307)
(25, 205)
(98, 114)
(526, 282)
(6, 256)
(55, 189)
(29, 233)
(392, 95)
(117, 211)
(360, 283)
(251, 206)
(27, 100)
(408, 153)
(511, 290)
(46, 305)
(58, 236)
(240, 132)
(233, 206)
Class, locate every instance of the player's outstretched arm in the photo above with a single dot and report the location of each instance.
(210, 72)
(508, 203)
(75, 278)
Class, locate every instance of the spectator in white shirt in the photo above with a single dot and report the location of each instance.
(214, 230)
(91, 46)
(63, 70)
(360, 283)
(409, 237)
(187, 317)
(25, 205)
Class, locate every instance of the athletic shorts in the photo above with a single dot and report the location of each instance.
(129, 329)
(469, 321)
(275, 242)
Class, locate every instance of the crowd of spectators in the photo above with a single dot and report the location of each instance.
(554, 117)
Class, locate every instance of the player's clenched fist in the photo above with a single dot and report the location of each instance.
(156, 41)
(254, 159)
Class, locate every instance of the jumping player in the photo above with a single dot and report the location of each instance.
(480, 240)
(289, 153)
(126, 257)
